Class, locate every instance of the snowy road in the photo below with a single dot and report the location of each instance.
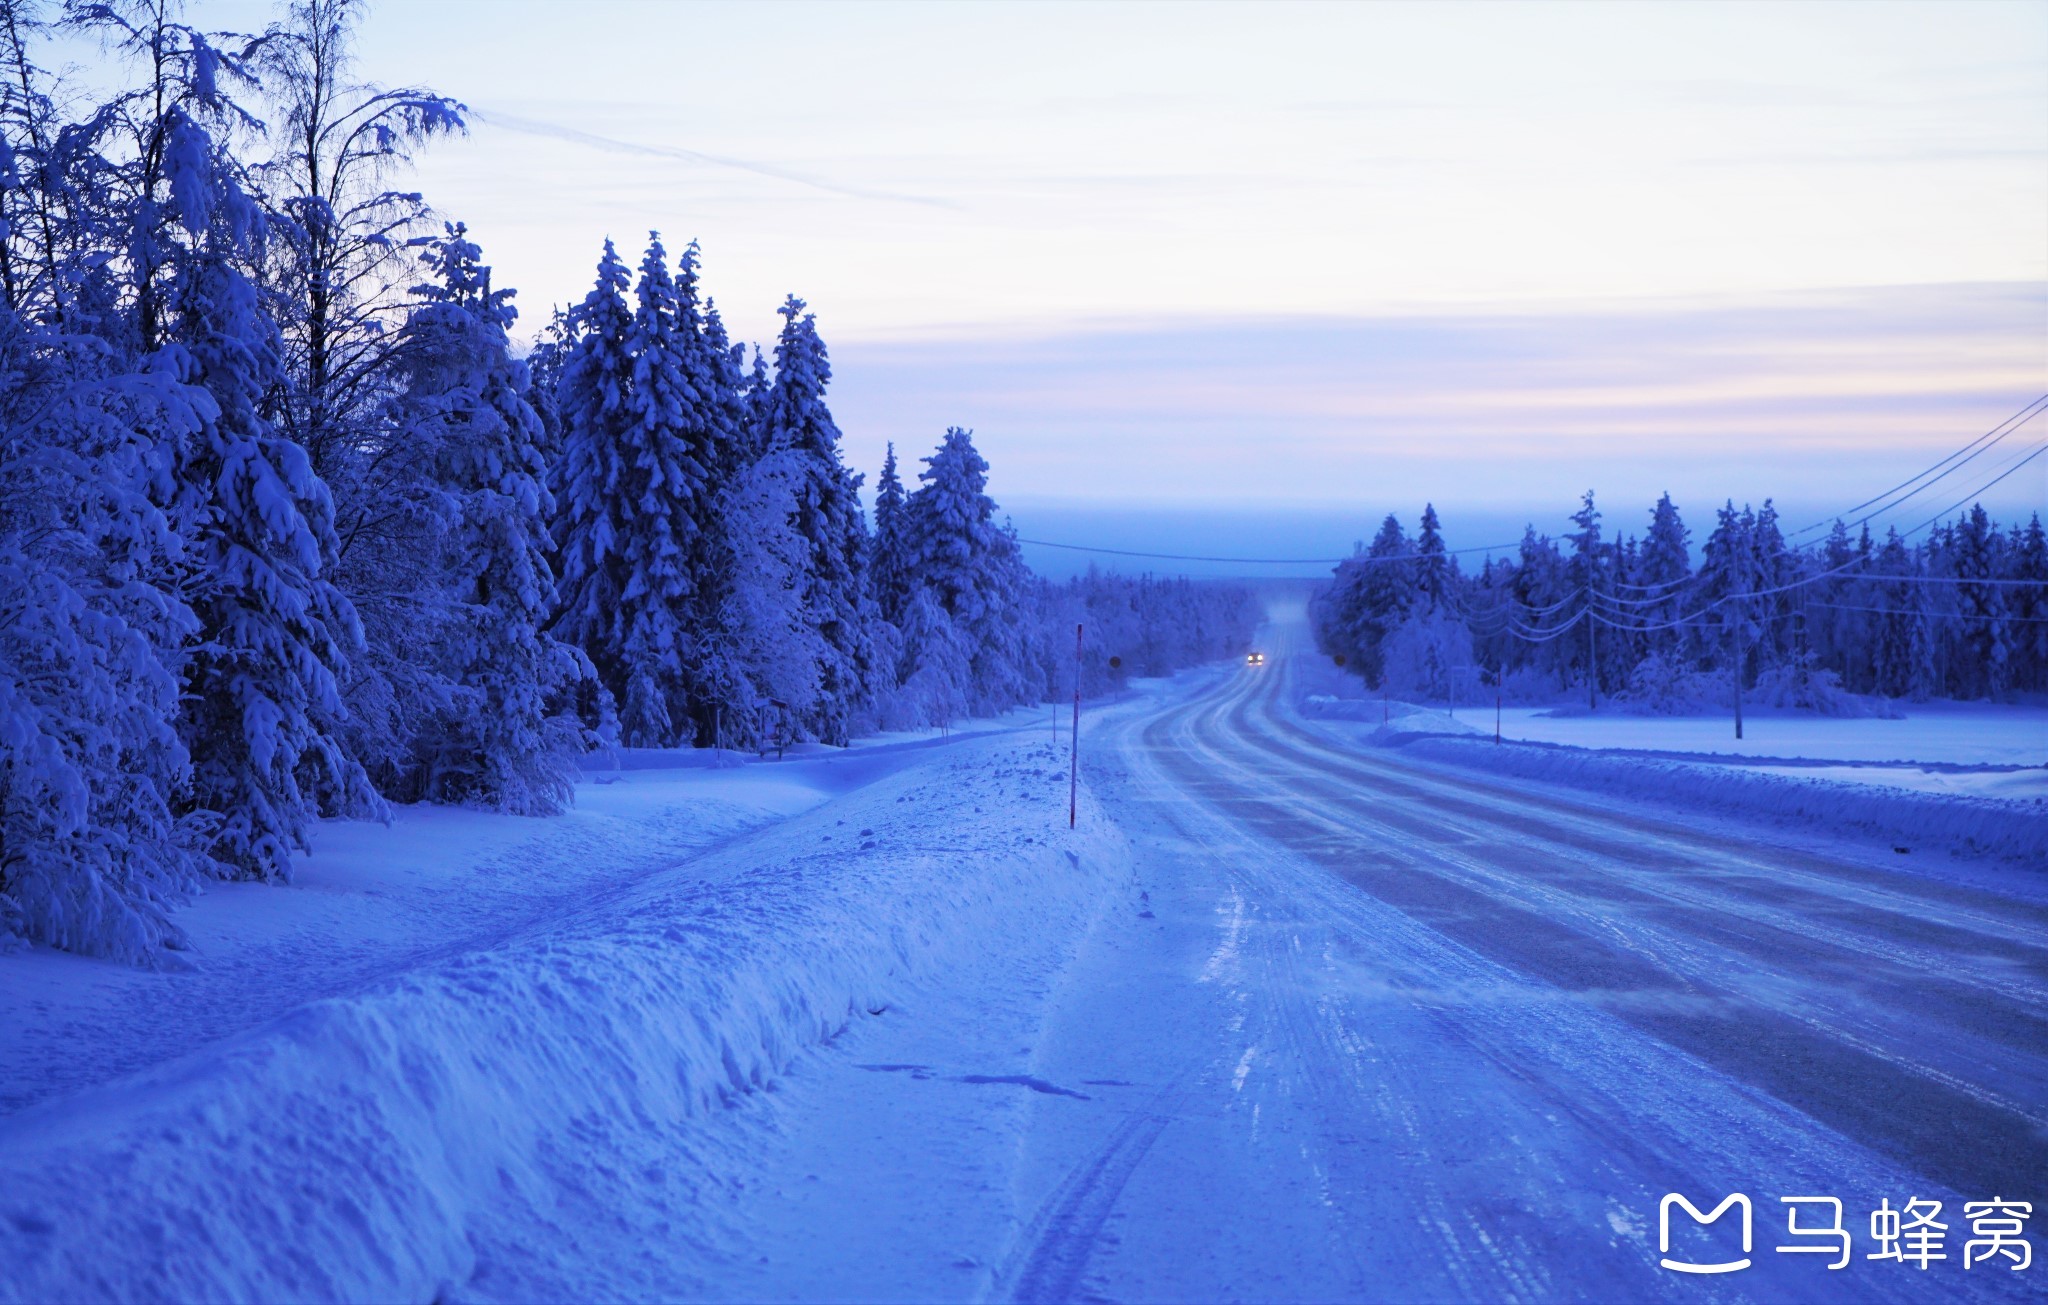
(1402, 1033)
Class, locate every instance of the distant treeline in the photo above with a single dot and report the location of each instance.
(1960, 613)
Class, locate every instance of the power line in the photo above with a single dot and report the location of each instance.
(2039, 449)
(1931, 616)
(1993, 581)
(1994, 435)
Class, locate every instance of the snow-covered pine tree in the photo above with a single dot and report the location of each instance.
(760, 669)
(938, 657)
(730, 394)
(91, 853)
(954, 550)
(1588, 571)
(765, 660)
(2028, 603)
(1777, 567)
(1539, 589)
(597, 475)
(755, 391)
(794, 419)
(1663, 566)
(1434, 568)
(1726, 604)
(1428, 654)
(544, 362)
(1368, 601)
(264, 709)
(189, 552)
(502, 739)
(1983, 634)
(711, 372)
(664, 500)
(1428, 657)
(336, 276)
(713, 442)
(730, 541)
(889, 568)
(1901, 631)
(1836, 634)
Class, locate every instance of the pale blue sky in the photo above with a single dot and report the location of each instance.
(1298, 256)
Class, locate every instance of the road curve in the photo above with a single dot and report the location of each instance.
(1408, 1032)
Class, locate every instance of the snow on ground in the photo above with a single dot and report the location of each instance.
(1939, 733)
(539, 1077)
(1944, 735)
(369, 902)
(374, 900)
(1962, 749)
(1968, 775)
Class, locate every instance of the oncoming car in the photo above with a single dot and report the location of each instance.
(1255, 659)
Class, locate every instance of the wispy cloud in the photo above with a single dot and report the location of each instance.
(577, 136)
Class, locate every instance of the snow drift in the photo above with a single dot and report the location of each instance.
(342, 1151)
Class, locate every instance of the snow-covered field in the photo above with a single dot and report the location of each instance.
(1957, 734)
(1938, 734)
(1974, 773)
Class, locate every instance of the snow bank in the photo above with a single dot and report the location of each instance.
(339, 1151)
(1987, 826)
(1375, 711)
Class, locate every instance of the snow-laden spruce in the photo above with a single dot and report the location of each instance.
(504, 736)
(966, 644)
(90, 763)
(598, 475)
(837, 605)
(888, 562)
(264, 709)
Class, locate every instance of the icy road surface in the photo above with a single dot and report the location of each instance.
(1363, 1030)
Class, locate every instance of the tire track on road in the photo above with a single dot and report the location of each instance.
(1955, 1133)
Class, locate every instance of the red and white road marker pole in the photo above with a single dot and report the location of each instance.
(1074, 754)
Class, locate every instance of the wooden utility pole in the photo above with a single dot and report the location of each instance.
(1074, 754)
(1592, 659)
(1735, 674)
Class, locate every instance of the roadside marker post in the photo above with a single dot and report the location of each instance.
(1074, 755)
